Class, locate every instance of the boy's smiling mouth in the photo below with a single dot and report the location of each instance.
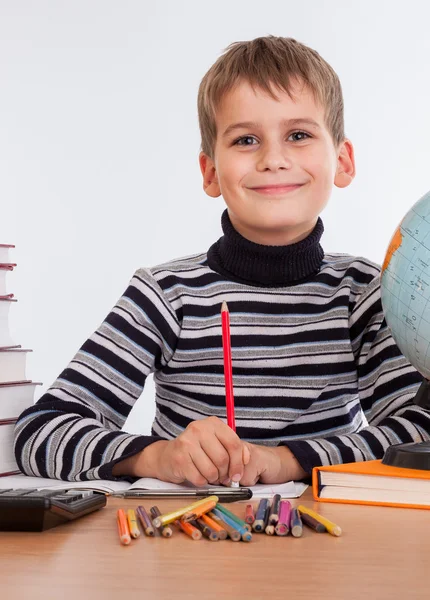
(277, 190)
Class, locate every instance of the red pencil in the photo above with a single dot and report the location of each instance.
(228, 371)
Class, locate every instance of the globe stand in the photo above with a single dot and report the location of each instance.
(412, 455)
(422, 397)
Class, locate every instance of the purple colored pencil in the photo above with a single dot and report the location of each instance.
(165, 530)
(312, 523)
(145, 520)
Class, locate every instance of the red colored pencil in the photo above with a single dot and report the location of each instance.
(228, 371)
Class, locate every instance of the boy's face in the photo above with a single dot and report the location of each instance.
(275, 150)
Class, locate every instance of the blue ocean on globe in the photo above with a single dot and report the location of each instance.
(405, 286)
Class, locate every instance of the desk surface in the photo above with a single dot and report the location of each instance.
(383, 553)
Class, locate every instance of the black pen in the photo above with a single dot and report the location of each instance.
(224, 494)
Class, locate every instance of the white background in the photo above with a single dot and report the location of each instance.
(99, 143)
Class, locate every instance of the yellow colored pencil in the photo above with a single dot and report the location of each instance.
(177, 514)
(132, 523)
(329, 525)
(198, 511)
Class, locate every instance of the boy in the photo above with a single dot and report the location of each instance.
(318, 378)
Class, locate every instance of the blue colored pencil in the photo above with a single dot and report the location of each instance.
(296, 525)
(245, 534)
(260, 515)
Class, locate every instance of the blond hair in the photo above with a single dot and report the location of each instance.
(264, 61)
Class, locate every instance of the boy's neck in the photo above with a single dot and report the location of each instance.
(273, 237)
(271, 266)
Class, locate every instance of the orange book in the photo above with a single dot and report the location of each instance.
(371, 482)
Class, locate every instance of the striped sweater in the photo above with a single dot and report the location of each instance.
(314, 365)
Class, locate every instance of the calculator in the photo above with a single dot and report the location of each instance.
(37, 510)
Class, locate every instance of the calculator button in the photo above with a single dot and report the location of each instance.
(44, 493)
(9, 493)
(67, 498)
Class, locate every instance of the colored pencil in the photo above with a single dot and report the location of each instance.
(145, 521)
(269, 529)
(165, 530)
(231, 530)
(222, 533)
(189, 529)
(313, 523)
(198, 511)
(123, 530)
(282, 527)
(296, 525)
(177, 514)
(132, 523)
(207, 531)
(249, 514)
(234, 517)
(274, 510)
(258, 525)
(244, 533)
(331, 527)
(266, 527)
(228, 369)
(228, 373)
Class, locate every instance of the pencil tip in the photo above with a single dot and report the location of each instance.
(224, 306)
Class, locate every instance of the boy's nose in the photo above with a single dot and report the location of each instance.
(275, 158)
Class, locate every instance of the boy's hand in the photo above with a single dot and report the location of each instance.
(208, 451)
(268, 464)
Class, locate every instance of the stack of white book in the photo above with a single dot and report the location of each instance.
(16, 391)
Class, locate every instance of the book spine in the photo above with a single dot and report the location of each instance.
(316, 483)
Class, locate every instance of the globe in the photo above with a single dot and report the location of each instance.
(405, 286)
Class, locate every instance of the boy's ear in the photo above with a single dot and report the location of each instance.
(345, 171)
(210, 179)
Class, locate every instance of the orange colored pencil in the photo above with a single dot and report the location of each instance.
(222, 533)
(189, 529)
(123, 530)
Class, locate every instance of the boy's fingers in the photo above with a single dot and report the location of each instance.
(208, 472)
(249, 479)
(193, 474)
(217, 454)
(233, 445)
(246, 454)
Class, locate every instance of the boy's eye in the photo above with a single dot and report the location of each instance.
(301, 133)
(251, 137)
(241, 139)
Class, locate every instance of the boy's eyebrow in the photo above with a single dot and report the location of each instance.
(285, 122)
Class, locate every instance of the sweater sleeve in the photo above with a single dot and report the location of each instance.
(387, 384)
(73, 432)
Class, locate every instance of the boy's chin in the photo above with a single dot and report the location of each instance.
(276, 224)
(278, 233)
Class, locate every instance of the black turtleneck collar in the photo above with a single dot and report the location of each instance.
(271, 266)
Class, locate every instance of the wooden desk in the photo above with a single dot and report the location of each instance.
(384, 553)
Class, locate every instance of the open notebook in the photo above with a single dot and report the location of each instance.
(291, 489)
